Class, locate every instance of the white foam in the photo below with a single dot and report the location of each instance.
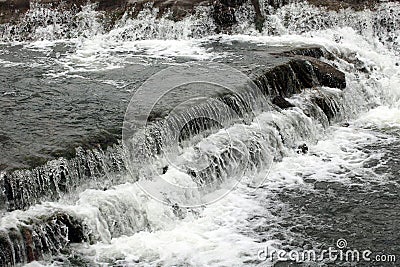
(220, 233)
(382, 117)
(211, 240)
(100, 53)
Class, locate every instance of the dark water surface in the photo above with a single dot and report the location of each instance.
(52, 104)
(57, 95)
(44, 117)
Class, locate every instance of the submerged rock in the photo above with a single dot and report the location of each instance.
(327, 75)
(302, 149)
(326, 105)
(32, 239)
(224, 13)
(282, 102)
(12, 9)
(343, 4)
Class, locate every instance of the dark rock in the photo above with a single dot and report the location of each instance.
(259, 23)
(231, 3)
(343, 4)
(304, 72)
(8, 190)
(282, 102)
(75, 227)
(111, 5)
(302, 149)
(179, 8)
(315, 52)
(192, 173)
(280, 80)
(12, 9)
(15, 3)
(164, 170)
(32, 254)
(328, 75)
(298, 74)
(259, 18)
(326, 105)
(224, 15)
(345, 124)
(30, 240)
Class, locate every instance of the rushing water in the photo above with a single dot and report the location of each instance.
(67, 80)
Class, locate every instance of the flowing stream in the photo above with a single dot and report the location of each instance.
(73, 193)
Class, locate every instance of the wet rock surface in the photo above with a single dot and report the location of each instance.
(223, 10)
(11, 10)
(32, 239)
(326, 105)
(326, 74)
(341, 4)
(281, 102)
(300, 73)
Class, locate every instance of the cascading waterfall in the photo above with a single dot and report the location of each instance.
(98, 169)
(45, 23)
(42, 22)
(282, 17)
(23, 188)
(96, 200)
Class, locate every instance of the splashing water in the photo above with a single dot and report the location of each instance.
(128, 227)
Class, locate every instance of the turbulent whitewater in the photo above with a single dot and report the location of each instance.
(75, 192)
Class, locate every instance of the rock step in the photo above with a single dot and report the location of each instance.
(21, 189)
